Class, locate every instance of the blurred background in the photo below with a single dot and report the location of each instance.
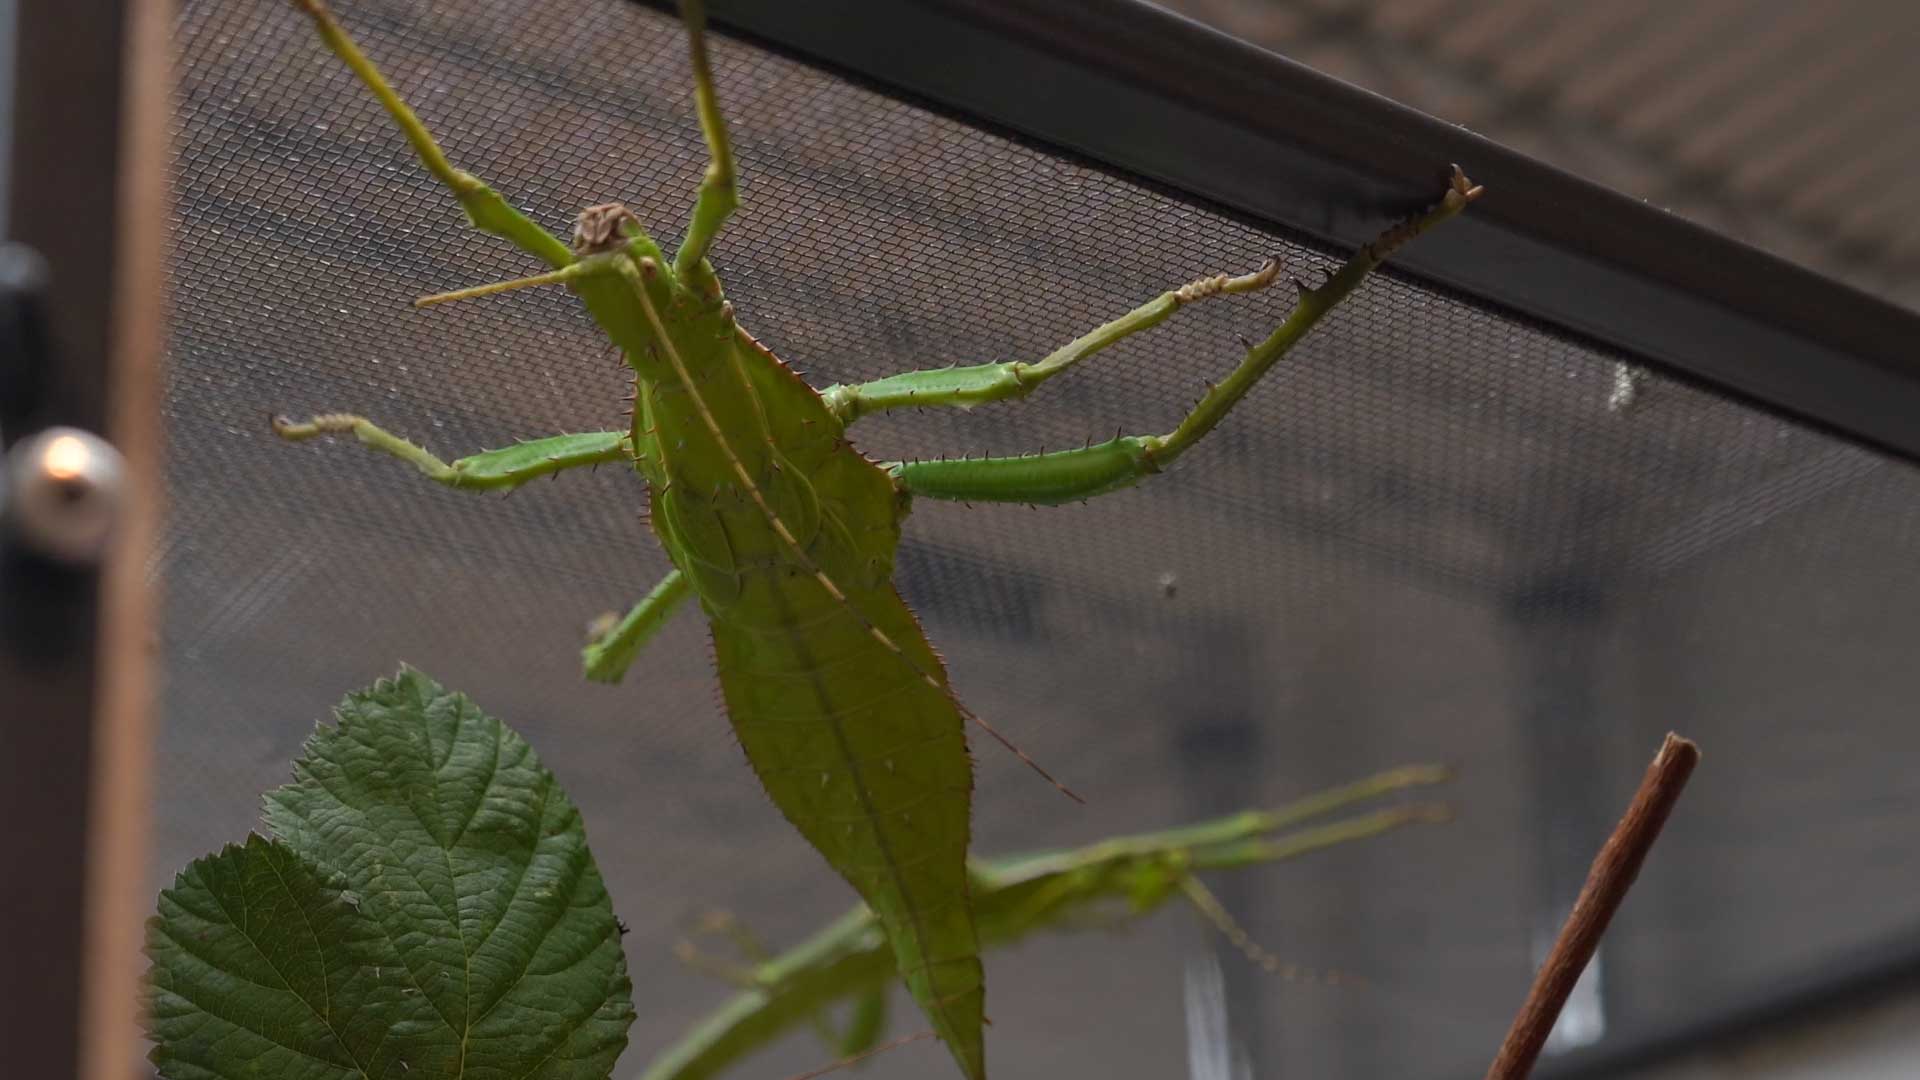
(1446, 532)
(1787, 125)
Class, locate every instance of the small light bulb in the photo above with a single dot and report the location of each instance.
(64, 488)
(64, 459)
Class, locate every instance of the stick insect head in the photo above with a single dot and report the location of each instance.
(617, 262)
(605, 227)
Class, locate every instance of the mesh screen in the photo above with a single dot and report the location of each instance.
(1436, 533)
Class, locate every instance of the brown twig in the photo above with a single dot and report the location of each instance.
(1613, 872)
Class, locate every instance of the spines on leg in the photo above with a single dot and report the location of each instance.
(1071, 475)
(1047, 479)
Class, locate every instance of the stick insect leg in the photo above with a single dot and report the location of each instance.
(1073, 475)
(485, 208)
(719, 195)
(507, 467)
(979, 384)
(607, 659)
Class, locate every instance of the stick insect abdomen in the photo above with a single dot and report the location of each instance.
(788, 535)
(870, 763)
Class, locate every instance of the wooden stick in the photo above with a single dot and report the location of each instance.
(1613, 872)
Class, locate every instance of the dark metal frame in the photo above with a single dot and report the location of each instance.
(68, 138)
(1153, 95)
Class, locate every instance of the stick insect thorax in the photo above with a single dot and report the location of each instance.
(675, 330)
(685, 344)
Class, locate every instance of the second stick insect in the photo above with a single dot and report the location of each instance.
(785, 533)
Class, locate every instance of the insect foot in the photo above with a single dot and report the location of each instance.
(1227, 283)
(1460, 192)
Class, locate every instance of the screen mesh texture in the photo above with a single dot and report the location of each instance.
(1436, 532)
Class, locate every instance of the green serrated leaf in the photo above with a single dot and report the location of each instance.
(262, 967)
(440, 915)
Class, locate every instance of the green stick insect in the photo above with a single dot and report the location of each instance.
(1100, 886)
(786, 533)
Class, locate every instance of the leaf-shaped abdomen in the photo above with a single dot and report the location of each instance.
(870, 763)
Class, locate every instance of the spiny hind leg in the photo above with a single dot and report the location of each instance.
(1072, 475)
(607, 659)
(507, 467)
(485, 208)
(719, 193)
(980, 384)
